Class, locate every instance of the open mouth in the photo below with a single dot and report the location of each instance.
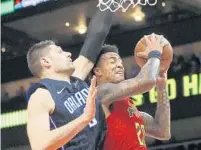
(120, 72)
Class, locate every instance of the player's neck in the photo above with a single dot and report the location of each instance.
(57, 76)
(99, 82)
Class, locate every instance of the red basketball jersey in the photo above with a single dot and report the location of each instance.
(125, 127)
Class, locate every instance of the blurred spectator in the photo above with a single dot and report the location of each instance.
(195, 64)
(176, 65)
(181, 147)
(192, 147)
(135, 70)
(4, 96)
(20, 92)
(199, 145)
(184, 65)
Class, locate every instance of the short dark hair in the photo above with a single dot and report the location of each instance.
(105, 49)
(34, 54)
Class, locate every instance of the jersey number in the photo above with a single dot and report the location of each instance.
(140, 133)
(93, 123)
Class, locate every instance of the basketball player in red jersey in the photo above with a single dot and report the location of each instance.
(126, 126)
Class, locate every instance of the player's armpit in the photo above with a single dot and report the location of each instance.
(38, 127)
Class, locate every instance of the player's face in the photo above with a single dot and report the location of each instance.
(60, 60)
(111, 68)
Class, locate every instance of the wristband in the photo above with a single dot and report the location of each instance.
(154, 53)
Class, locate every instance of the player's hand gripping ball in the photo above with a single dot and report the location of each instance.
(166, 57)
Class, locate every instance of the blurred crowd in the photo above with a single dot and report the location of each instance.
(187, 145)
(185, 65)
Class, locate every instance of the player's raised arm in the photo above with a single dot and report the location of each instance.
(143, 82)
(159, 126)
(97, 32)
(41, 106)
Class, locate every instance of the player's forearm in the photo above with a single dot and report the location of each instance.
(58, 137)
(100, 23)
(97, 32)
(162, 116)
(147, 76)
(143, 82)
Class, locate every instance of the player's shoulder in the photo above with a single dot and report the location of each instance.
(40, 94)
(41, 91)
(41, 98)
(126, 100)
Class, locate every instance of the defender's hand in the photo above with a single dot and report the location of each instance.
(90, 108)
(152, 43)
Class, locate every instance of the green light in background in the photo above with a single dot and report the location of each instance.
(7, 7)
(13, 119)
(190, 83)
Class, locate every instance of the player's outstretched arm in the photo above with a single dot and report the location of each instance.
(97, 31)
(38, 126)
(159, 126)
(143, 82)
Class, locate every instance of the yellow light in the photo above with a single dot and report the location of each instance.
(67, 24)
(82, 29)
(163, 4)
(3, 49)
(138, 15)
(82, 24)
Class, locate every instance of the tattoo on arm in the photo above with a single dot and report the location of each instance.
(159, 127)
(143, 82)
(149, 71)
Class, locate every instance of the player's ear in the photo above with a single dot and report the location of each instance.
(97, 71)
(45, 62)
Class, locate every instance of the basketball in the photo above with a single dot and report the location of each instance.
(166, 57)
